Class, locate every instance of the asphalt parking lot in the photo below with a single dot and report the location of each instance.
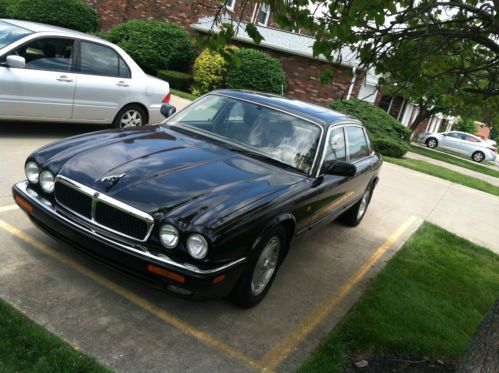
(129, 326)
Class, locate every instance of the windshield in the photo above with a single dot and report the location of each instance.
(280, 136)
(10, 33)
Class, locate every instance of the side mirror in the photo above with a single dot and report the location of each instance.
(341, 168)
(167, 110)
(16, 61)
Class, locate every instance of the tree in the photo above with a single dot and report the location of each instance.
(443, 55)
(465, 125)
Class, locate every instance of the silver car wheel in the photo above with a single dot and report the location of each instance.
(478, 157)
(432, 143)
(265, 266)
(131, 118)
(363, 204)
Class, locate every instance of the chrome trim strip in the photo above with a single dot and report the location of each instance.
(47, 206)
(99, 197)
(267, 106)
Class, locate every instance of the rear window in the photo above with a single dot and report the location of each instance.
(10, 33)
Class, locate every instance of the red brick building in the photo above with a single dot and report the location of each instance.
(294, 50)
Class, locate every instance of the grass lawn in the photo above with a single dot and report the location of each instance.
(444, 173)
(186, 95)
(27, 347)
(427, 302)
(453, 160)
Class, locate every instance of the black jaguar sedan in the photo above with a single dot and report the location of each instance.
(204, 205)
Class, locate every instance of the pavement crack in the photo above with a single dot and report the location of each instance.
(439, 200)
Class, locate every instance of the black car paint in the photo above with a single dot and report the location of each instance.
(201, 186)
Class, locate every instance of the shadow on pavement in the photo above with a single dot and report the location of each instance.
(36, 130)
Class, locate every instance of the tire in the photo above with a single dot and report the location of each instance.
(356, 213)
(432, 143)
(478, 156)
(130, 116)
(254, 282)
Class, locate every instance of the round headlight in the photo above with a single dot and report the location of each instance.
(168, 235)
(47, 181)
(32, 172)
(197, 246)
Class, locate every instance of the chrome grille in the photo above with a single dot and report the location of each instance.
(102, 211)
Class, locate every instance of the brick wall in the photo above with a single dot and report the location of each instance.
(303, 74)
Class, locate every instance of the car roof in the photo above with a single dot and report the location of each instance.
(315, 113)
(42, 27)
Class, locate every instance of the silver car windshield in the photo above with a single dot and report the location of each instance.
(10, 33)
(277, 135)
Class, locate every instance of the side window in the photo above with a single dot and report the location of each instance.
(454, 135)
(49, 54)
(357, 143)
(335, 146)
(470, 138)
(101, 60)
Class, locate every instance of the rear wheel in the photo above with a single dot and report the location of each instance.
(356, 213)
(478, 156)
(130, 116)
(432, 143)
(261, 270)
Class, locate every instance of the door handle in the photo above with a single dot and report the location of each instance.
(122, 84)
(64, 78)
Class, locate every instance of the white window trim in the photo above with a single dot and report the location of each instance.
(256, 11)
(231, 5)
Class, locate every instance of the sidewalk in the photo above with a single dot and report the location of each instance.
(478, 175)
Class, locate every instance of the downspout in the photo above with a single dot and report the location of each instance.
(352, 83)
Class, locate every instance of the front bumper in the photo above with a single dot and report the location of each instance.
(157, 269)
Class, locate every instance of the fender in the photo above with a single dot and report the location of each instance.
(284, 218)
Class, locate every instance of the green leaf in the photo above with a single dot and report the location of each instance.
(253, 33)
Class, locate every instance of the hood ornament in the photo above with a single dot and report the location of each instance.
(113, 179)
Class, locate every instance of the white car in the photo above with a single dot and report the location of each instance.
(460, 142)
(53, 74)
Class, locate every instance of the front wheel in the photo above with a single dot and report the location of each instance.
(130, 116)
(432, 143)
(261, 270)
(356, 213)
(478, 156)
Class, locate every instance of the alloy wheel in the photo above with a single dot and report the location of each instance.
(265, 266)
(363, 204)
(131, 118)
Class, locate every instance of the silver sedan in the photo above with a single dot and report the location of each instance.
(49, 73)
(462, 143)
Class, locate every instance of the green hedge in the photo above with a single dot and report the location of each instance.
(388, 135)
(6, 8)
(154, 45)
(73, 14)
(177, 79)
(257, 71)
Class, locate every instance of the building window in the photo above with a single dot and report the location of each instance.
(262, 14)
(231, 4)
(385, 103)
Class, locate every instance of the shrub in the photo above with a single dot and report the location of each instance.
(390, 148)
(154, 45)
(210, 69)
(6, 8)
(388, 135)
(258, 71)
(177, 79)
(73, 14)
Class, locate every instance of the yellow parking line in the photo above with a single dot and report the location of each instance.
(8, 208)
(134, 298)
(275, 356)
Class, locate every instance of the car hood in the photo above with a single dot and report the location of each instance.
(162, 171)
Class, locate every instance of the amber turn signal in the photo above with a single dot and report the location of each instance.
(25, 205)
(163, 272)
(218, 279)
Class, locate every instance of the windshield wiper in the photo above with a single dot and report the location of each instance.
(264, 158)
